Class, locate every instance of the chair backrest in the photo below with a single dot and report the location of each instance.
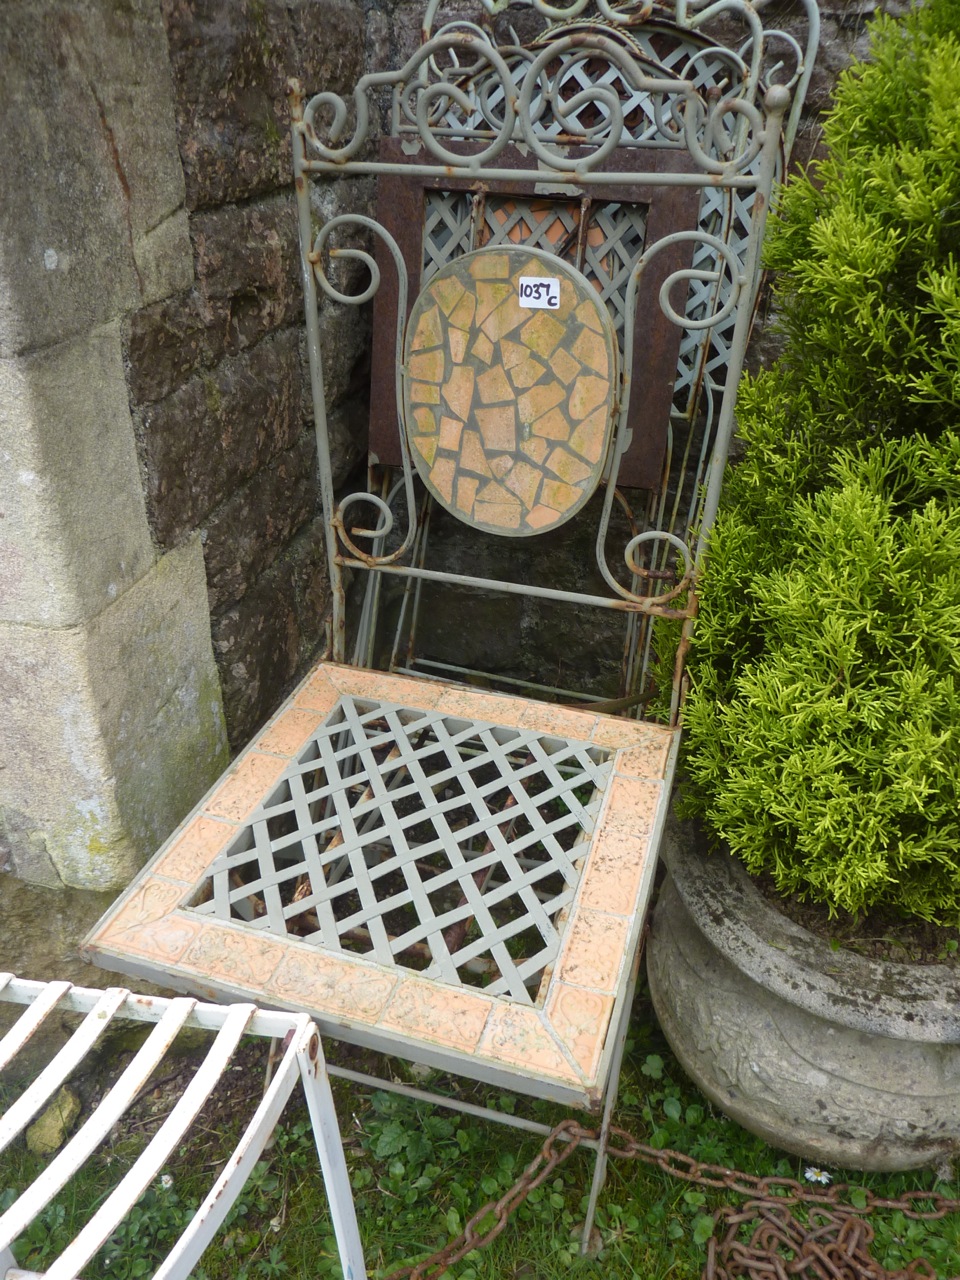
(563, 260)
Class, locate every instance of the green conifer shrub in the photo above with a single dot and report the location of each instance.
(822, 729)
(827, 750)
(868, 248)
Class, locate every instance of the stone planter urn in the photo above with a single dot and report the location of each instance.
(842, 1060)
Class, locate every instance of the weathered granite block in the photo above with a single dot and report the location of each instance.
(245, 535)
(247, 259)
(170, 340)
(311, 587)
(73, 529)
(257, 646)
(113, 729)
(265, 641)
(232, 116)
(248, 285)
(212, 434)
(91, 218)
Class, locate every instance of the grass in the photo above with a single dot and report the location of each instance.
(419, 1172)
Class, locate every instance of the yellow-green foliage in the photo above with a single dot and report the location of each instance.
(824, 743)
(869, 248)
(823, 725)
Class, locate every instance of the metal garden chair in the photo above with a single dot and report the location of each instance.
(563, 258)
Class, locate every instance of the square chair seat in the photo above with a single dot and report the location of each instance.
(455, 877)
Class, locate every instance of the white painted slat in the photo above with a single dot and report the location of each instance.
(148, 1165)
(336, 1179)
(67, 1060)
(141, 1008)
(56, 1175)
(215, 1207)
(303, 1056)
(25, 1026)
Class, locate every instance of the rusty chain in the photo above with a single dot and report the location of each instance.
(833, 1244)
(548, 1158)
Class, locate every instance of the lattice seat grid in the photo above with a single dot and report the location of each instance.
(453, 876)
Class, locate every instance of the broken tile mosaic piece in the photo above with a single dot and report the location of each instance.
(539, 400)
(563, 365)
(425, 393)
(527, 373)
(535, 449)
(442, 474)
(425, 419)
(428, 366)
(493, 386)
(457, 340)
(458, 389)
(427, 447)
(498, 428)
(450, 431)
(489, 297)
(429, 331)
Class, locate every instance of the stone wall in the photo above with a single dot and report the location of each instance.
(110, 715)
(159, 507)
(216, 375)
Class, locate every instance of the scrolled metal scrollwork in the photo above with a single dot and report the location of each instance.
(707, 138)
(661, 604)
(425, 100)
(460, 84)
(604, 139)
(523, 122)
(771, 40)
(704, 275)
(315, 257)
(382, 531)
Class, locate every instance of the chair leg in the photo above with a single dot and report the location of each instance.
(610, 1102)
(336, 1178)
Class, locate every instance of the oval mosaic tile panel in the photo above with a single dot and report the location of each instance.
(509, 405)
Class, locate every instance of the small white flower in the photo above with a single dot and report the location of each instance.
(166, 1181)
(813, 1174)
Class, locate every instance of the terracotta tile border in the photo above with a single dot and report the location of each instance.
(190, 853)
(243, 788)
(289, 732)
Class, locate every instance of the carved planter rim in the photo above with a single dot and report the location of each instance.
(902, 1001)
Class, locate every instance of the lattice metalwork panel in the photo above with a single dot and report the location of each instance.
(551, 225)
(658, 51)
(707, 351)
(606, 254)
(447, 229)
(665, 55)
(614, 243)
(640, 110)
(430, 842)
